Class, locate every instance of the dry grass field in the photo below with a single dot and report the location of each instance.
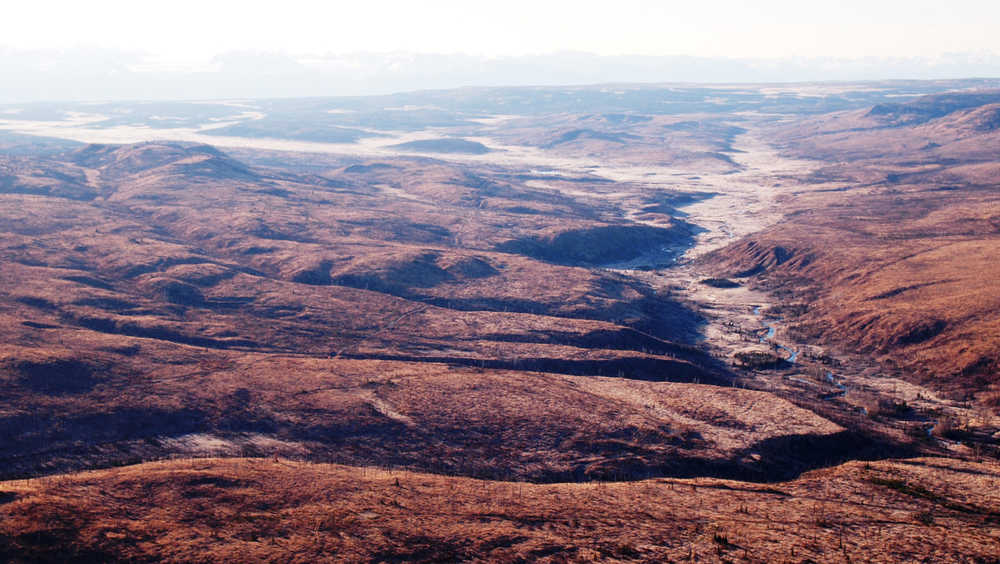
(255, 510)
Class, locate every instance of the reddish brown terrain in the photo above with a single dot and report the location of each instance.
(751, 327)
(159, 290)
(250, 510)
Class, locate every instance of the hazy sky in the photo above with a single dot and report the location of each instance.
(193, 30)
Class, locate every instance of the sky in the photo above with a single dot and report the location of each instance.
(186, 30)
(210, 49)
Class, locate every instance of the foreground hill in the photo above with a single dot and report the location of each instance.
(895, 248)
(211, 510)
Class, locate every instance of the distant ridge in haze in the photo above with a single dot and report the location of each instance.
(104, 74)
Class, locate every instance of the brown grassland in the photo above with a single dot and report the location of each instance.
(252, 510)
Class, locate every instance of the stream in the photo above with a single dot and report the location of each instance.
(828, 375)
(793, 355)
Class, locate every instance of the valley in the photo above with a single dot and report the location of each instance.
(514, 319)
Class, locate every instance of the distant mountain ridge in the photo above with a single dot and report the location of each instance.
(934, 106)
(69, 74)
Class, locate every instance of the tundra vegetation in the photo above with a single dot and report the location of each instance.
(562, 324)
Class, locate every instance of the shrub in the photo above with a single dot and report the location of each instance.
(924, 517)
(756, 360)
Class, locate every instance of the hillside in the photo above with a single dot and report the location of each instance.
(211, 510)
